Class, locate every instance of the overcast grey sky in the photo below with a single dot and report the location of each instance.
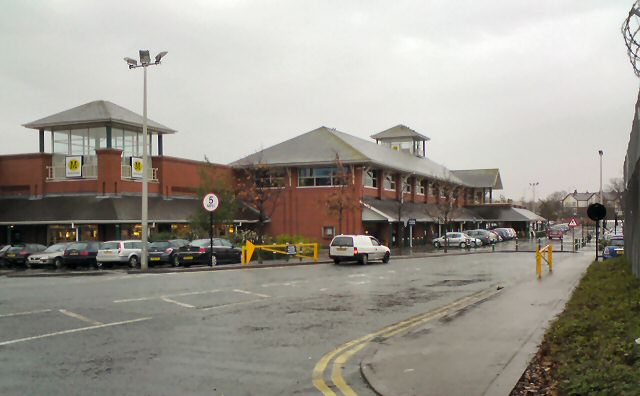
(532, 87)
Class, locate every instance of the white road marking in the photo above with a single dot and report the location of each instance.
(231, 304)
(166, 295)
(356, 275)
(72, 331)
(324, 289)
(391, 271)
(80, 317)
(381, 277)
(292, 283)
(166, 299)
(24, 313)
(251, 293)
(359, 283)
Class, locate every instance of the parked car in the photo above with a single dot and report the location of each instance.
(360, 248)
(3, 252)
(555, 232)
(199, 252)
(484, 236)
(17, 255)
(81, 253)
(51, 256)
(497, 236)
(504, 233)
(614, 248)
(119, 252)
(166, 251)
(454, 239)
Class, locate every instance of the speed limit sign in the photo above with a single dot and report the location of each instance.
(210, 202)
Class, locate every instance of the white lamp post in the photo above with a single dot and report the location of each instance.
(600, 152)
(145, 60)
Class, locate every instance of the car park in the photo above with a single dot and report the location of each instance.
(51, 257)
(199, 252)
(614, 248)
(18, 255)
(166, 252)
(458, 239)
(359, 248)
(119, 252)
(81, 253)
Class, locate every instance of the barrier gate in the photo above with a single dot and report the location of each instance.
(540, 255)
(301, 250)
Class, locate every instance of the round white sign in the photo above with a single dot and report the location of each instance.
(210, 202)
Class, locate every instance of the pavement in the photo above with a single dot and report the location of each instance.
(482, 349)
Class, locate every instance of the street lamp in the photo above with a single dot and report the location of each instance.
(533, 188)
(145, 60)
(600, 152)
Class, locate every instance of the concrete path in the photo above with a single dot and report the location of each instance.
(482, 350)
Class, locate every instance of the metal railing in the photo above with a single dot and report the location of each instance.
(58, 172)
(548, 258)
(300, 250)
(125, 173)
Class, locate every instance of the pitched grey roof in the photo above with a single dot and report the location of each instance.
(399, 131)
(480, 178)
(97, 112)
(580, 196)
(320, 146)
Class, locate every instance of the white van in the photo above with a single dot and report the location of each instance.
(361, 248)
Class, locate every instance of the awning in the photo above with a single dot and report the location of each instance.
(102, 210)
(387, 210)
(506, 213)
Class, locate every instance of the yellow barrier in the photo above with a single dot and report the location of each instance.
(288, 249)
(539, 257)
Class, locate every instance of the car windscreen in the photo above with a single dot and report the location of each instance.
(224, 242)
(160, 245)
(16, 249)
(77, 246)
(342, 241)
(110, 245)
(58, 247)
(201, 242)
(616, 242)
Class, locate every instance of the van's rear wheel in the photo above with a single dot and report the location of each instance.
(364, 259)
(386, 258)
(336, 261)
(133, 261)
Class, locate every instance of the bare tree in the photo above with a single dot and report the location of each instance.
(446, 210)
(617, 190)
(342, 197)
(260, 187)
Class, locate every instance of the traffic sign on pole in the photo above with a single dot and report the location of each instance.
(573, 223)
(210, 204)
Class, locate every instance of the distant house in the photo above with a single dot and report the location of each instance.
(579, 201)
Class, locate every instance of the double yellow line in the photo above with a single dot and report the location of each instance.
(344, 352)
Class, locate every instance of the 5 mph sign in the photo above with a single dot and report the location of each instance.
(210, 202)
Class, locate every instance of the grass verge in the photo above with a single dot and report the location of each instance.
(590, 348)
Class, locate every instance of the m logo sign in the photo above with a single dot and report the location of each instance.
(137, 168)
(73, 166)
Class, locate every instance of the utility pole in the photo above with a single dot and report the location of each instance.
(533, 189)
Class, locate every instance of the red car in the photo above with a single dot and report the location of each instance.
(555, 233)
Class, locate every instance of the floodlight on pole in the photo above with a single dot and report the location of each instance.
(145, 61)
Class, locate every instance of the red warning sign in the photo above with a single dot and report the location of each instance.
(573, 223)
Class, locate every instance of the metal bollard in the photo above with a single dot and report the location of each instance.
(516, 244)
(562, 244)
(493, 247)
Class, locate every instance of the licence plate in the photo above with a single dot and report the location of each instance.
(11, 255)
(342, 249)
(187, 258)
(154, 258)
(108, 253)
(73, 254)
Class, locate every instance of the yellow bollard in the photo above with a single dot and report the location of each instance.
(538, 263)
(550, 259)
(315, 252)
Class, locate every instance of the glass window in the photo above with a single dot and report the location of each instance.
(407, 185)
(79, 141)
(97, 139)
(110, 245)
(342, 241)
(420, 187)
(389, 182)
(269, 178)
(130, 144)
(117, 138)
(160, 245)
(375, 242)
(317, 177)
(371, 178)
(61, 142)
(328, 232)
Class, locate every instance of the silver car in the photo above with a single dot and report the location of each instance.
(454, 239)
(51, 256)
(120, 252)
